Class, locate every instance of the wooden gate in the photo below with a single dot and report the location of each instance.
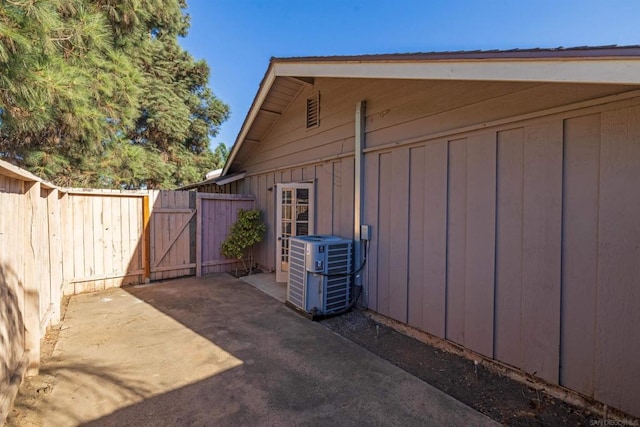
(216, 215)
(172, 234)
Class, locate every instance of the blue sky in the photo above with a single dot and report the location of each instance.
(238, 37)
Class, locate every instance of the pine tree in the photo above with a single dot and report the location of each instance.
(222, 151)
(99, 93)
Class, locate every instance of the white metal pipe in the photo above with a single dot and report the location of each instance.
(359, 194)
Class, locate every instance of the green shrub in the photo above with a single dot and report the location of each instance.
(245, 233)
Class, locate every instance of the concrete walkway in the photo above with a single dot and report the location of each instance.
(216, 351)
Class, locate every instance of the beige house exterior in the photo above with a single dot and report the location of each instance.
(502, 191)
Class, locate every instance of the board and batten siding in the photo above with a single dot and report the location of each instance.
(522, 243)
(334, 200)
(400, 110)
(505, 216)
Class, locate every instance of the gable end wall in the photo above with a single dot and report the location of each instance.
(518, 240)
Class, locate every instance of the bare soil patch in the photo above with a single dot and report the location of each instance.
(497, 396)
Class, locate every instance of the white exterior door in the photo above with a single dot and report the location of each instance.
(295, 215)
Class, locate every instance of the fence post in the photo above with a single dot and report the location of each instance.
(198, 236)
(146, 247)
(55, 253)
(32, 277)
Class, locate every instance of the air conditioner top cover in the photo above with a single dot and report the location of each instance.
(317, 238)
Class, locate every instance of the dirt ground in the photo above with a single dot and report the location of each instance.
(501, 398)
(35, 388)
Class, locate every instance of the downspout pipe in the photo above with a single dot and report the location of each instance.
(358, 192)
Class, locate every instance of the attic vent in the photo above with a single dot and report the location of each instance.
(313, 111)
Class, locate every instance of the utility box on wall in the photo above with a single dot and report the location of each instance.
(320, 274)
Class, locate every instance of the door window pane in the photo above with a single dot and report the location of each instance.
(302, 213)
(302, 220)
(286, 212)
(286, 228)
(287, 196)
(302, 196)
(285, 250)
(302, 228)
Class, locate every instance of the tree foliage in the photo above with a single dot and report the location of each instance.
(100, 93)
(222, 151)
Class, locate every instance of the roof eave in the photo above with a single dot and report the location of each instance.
(581, 66)
(263, 90)
(565, 70)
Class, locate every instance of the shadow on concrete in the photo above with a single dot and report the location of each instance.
(101, 385)
(216, 351)
(293, 371)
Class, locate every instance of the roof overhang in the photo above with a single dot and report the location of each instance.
(619, 71)
(215, 180)
(603, 65)
(213, 174)
(230, 178)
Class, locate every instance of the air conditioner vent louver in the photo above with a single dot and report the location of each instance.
(297, 273)
(319, 279)
(313, 111)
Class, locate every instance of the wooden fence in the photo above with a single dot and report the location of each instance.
(30, 274)
(106, 244)
(102, 239)
(56, 241)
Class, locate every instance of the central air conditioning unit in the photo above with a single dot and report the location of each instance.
(320, 274)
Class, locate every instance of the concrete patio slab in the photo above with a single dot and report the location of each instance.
(216, 351)
(266, 282)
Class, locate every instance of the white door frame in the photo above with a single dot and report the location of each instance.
(282, 257)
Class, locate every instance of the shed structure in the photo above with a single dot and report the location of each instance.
(500, 187)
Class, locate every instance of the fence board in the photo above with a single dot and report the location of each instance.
(32, 282)
(43, 258)
(98, 241)
(55, 248)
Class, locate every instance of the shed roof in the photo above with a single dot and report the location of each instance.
(285, 77)
(218, 180)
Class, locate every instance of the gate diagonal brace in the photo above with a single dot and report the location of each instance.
(176, 237)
